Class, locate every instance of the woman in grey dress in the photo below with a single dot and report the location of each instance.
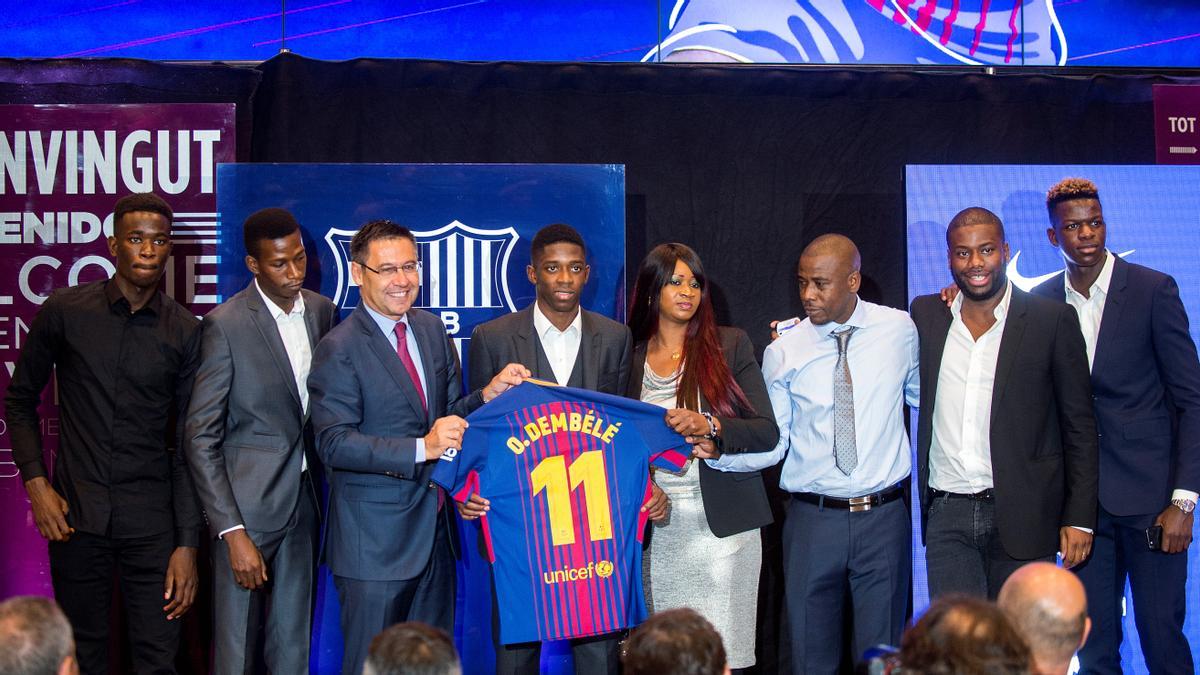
(707, 554)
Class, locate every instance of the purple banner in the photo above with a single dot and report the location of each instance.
(1176, 135)
(62, 167)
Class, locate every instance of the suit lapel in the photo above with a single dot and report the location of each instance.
(637, 370)
(265, 323)
(427, 346)
(524, 342)
(388, 358)
(589, 351)
(1010, 346)
(1110, 319)
(937, 347)
(311, 324)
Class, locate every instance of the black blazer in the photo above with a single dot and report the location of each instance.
(1146, 386)
(1043, 433)
(733, 501)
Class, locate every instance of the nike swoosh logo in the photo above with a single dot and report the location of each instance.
(1027, 283)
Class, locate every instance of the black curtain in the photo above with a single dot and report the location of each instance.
(744, 163)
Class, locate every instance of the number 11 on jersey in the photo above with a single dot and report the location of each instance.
(558, 480)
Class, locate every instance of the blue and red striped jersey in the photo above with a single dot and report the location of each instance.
(566, 471)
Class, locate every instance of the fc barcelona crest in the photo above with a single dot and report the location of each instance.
(462, 268)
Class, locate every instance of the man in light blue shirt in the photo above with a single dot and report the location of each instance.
(838, 383)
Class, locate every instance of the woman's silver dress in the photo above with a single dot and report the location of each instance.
(687, 565)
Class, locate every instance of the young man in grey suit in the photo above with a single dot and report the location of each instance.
(386, 403)
(249, 447)
(561, 342)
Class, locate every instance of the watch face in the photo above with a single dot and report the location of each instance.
(1185, 505)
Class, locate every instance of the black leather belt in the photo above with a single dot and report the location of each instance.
(853, 504)
(981, 496)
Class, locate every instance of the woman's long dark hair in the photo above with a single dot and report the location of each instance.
(706, 372)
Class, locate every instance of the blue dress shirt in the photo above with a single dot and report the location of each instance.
(798, 369)
(388, 326)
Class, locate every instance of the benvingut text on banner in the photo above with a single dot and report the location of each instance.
(62, 168)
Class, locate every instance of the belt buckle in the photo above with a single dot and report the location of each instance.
(858, 504)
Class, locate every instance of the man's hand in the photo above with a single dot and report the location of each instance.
(657, 506)
(249, 568)
(509, 377)
(473, 508)
(1177, 529)
(689, 422)
(949, 293)
(180, 589)
(774, 333)
(447, 432)
(704, 448)
(1074, 545)
(49, 510)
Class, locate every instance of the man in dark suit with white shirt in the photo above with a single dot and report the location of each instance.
(1006, 440)
(386, 403)
(558, 341)
(1146, 381)
(249, 447)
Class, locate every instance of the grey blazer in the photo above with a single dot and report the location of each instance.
(245, 434)
(605, 347)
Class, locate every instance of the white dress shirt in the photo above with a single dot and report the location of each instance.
(561, 346)
(883, 355)
(1091, 308)
(960, 454)
(1091, 311)
(294, 334)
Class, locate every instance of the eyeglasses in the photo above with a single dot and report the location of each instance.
(390, 271)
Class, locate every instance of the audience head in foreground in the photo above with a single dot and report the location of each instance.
(36, 638)
(675, 642)
(412, 648)
(962, 635)
(1048, 607)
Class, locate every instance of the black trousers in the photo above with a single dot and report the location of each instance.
(82, 569)
(597, 655)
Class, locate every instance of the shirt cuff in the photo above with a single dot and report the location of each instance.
(1180, 493)
(1083, 529)
(225, 532)
(420, 458)
(187, 537)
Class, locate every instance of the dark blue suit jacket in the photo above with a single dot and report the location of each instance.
(367, 416)
(1146, 387)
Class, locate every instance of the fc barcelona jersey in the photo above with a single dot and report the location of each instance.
(566, 471)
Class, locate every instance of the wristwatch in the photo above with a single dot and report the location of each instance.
(1185, 505)
(712, 426)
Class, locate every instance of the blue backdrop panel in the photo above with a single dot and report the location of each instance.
(1153, 217)
(473, 224)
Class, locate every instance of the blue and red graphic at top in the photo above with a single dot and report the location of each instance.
(566, 471)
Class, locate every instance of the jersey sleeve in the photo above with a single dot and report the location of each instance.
(458, 470)
(667, 449)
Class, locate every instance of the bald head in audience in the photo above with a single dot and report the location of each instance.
(1048, 606)
(35, 638)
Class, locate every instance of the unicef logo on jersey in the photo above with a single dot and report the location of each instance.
(464, 273)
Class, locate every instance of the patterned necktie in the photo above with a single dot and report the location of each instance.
(406, 359)
(845, 451)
